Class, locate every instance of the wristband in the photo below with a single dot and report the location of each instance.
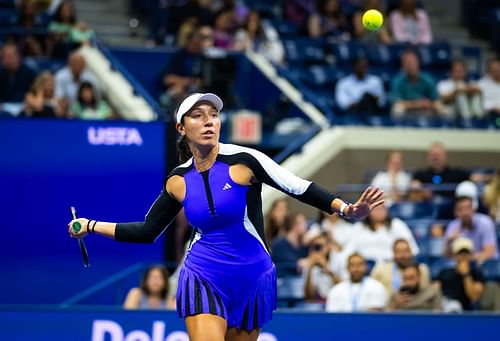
(342, 208)
(93, 226)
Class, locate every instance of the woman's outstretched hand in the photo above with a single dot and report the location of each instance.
(371, 198)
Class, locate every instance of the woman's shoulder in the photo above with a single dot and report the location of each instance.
(135, 293)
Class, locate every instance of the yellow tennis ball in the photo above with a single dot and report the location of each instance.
(372, 20)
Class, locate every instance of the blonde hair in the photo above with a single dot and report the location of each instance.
(40, 80)
(492, 194)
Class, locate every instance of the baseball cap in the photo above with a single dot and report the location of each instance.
(191, 100)
(468, 189)
(462, 244)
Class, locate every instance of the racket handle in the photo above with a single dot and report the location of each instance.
(76, 226)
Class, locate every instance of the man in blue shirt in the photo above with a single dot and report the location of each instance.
(412, 90)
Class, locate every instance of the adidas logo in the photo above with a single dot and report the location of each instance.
(226, 186)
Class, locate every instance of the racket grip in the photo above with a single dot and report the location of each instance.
(76, 226)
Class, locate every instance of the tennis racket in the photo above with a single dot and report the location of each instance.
(76, 227)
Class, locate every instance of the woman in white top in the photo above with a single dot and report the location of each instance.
(394, 181)
(376, 235)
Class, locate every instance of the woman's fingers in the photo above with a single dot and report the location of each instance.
(364, 195)
(376, 195)
(376, 203)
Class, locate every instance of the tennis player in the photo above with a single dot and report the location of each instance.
(227, 284)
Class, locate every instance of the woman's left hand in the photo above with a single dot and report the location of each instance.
(371, 198)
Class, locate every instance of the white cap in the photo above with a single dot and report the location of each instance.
(191, 100)
(468, 189)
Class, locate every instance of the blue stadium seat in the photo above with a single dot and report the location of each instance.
(305, 51)
(420, 227)
(491, 270)
(440, 264)
(290, 290)
(284, 28)
(8, 17)
(412, 210)
(443, 207)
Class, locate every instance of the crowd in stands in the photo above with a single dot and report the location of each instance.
(34, 82)
(395, 260)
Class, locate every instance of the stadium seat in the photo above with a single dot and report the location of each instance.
(412, 210)
(290, 290)
(443, 207)
(440, 264)
(8, 17)
(491, 270)
(420, 227)
(305, 51)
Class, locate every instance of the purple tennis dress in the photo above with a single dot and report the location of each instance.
(228, 269)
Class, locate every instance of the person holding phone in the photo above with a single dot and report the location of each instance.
(412, 296)
(319, 277)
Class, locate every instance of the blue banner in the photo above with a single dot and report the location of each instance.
(114, 325)
(110, 171)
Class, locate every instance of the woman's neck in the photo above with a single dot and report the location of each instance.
(204, 158)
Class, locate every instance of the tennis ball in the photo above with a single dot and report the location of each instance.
(372, 20)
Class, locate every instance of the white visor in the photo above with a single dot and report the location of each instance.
(189, 102)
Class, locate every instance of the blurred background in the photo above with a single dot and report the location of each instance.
(87, 94)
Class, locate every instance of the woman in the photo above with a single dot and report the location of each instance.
(153, 291)
(394, 180)
(261, 37)
(491, 197)
(227, 285)
(275, 220)
(40, 101)
(375, 236)
(410, 24)
(89, 106)
(329, 21)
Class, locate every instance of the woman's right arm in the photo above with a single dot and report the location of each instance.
(158, 218)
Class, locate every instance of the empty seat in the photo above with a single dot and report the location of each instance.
(305, 51)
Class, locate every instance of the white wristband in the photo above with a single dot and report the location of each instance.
(342, 208)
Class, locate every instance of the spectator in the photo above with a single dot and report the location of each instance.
(394, 181)
(375, 236)
(478, 227)
(28, 20)
(60, 28)
(319, 278)
(288, 251)
(459, 96)
(89, 106)
(15, 77)
(328, 21)
(360, 91)
(464, 284)
(297, 12)
(410, 24)
(274, 225)
(182, 75)
(412, 296)
(81, 34)
(390, 273)
(437, 172)
(340, 230)
(490, 88)
(40, 101)
(69, 79)
(153, 291)
(491, 196)
(360, 32)
(359, 292)
(225, 29)
(413, 91)
(261, 37)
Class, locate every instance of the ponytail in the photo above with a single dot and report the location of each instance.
(183, 151)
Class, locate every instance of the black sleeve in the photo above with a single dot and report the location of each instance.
(272, 174)
(158, 218)
(477, 275)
